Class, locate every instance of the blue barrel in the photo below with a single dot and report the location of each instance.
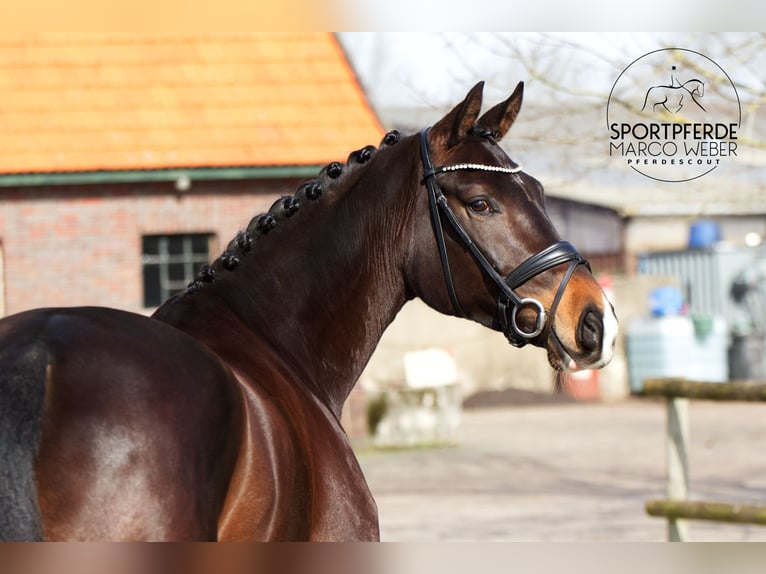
(665, 301)
(704, 233)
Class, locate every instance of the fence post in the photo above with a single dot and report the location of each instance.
(678, 464)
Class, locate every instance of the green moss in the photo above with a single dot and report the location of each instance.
(377, 408)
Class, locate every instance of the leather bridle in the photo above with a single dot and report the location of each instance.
(509, 304)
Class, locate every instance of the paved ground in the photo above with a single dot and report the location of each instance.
(568, 472)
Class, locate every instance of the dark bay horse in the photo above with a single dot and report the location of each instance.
(218, 418)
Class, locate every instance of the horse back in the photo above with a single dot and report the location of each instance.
(139, 425)
(137, 431)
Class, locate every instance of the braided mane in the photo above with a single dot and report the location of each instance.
(283, 209)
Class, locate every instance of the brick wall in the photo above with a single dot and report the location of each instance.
(81, 245)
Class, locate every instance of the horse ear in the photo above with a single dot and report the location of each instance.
(500, 118)
(453, 127)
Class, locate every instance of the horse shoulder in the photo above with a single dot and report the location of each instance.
(296, 476)
(266, 495)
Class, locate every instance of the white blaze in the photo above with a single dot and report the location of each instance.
(610, 333)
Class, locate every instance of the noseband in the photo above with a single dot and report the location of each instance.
(508, 303)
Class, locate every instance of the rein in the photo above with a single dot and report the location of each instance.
(508, 302)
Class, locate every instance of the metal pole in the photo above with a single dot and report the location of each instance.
(678, 464)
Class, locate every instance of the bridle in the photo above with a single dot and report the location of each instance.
(509, 304)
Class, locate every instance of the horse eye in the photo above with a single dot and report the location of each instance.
(480, 206)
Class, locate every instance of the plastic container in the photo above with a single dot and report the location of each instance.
(704, 233)
(747, 357)
(581, 385)
(672, 347)
(665, 301)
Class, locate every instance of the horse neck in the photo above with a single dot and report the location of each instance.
(320, 288)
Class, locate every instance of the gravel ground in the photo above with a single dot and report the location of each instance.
(562, 471)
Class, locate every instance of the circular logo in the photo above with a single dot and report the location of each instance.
(673, 115)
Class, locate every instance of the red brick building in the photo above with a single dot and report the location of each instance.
(126, 162)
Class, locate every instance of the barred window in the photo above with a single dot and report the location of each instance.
(170, 262)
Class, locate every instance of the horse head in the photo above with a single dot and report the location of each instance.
(501, 262)
(695, 87)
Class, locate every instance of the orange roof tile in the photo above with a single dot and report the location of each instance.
(120, 102)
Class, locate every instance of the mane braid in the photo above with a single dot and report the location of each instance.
(484, 133)
(284, 208)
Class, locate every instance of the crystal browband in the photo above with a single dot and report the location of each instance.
(478, 166)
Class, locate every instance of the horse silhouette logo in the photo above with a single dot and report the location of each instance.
(673, 115)
(672, 98)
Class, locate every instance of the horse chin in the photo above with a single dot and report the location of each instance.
(558, 356)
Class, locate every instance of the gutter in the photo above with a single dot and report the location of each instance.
(157, 175)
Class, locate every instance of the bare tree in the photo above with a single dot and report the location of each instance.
(574, 70)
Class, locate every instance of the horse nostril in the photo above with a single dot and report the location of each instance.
(591, 330)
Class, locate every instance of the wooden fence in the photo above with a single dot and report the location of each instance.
(676, 508)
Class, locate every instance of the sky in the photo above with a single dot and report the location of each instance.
(437, 68)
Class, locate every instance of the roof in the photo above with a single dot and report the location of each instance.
(86, 102)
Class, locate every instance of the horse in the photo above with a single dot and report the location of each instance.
(671, 98)
(218, 418)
